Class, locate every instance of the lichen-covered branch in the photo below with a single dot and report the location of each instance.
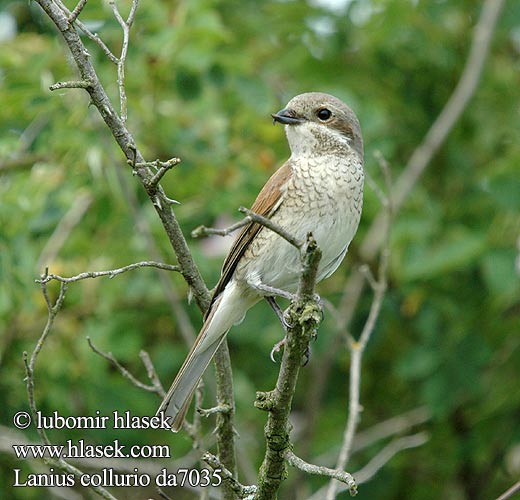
(304, 317)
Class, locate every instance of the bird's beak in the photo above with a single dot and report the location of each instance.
(287, 117)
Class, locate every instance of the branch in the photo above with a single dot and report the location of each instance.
(387, 453)
(510, 492)
(382, 458)
(156, 388)
(203, 231)
(77, 11)
(405, 183)
(357, 347)
(125, 25)
(225, 420)
(92, 36)
(269, 224)
(29, 363)
(304, 318)
(73, 84)
(241, 490)
(110, 273)
(60, 15)
(319, 470)
(250, 217)
(444, 124)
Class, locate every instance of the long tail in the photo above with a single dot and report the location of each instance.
(229, 308)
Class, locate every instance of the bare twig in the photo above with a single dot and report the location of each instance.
(59, 15)
(73, 84)
(405, 183)
(92, 36)
(510, 492)
(203, 231)
(77, 11)
(391, 427)
(339, 475)
(241, 490)
(111, 273)
(152, 374)
(269, 224)
(29, 363)
(170, 293)
(382, 458)
(444, 123)
(357, 347)
(125, 26)
(207, 412)
(124, 372)
(387, 453)
(162, 168)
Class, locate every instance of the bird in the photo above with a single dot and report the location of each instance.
(318, 190)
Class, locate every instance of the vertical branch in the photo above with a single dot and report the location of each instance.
(357, 347)
(30, 362)
(125, 26)
(304, 317)
(225, 428)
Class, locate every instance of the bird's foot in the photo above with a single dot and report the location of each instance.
(276, 349)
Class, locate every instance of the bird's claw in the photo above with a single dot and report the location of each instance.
(276, 349)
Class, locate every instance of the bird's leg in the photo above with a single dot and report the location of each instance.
(283, 320)
(278, 311)
(270, 290)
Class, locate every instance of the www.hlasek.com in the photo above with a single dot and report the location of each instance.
(107, 476)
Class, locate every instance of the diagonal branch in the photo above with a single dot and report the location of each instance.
(126, 142)
(161, 203)
(443, 125)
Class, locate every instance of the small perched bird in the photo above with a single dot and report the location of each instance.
(318, 190)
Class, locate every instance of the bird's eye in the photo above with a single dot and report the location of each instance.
(323, 114)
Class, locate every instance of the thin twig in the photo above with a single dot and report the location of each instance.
(387, 453)
(29, 363)
(163, 168)
(207, 412)
(269, 224)
(357, 347)
(510, 492)
(92, 36)
(319, 470)
(241, 490)
(125, 26)
(110, 273)
(124, 372)
(152, 374)
(444, 123)
(73, 84)
(77, 11)
(382, 458)
(203, 231)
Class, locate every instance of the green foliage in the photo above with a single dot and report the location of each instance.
(202, 79)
